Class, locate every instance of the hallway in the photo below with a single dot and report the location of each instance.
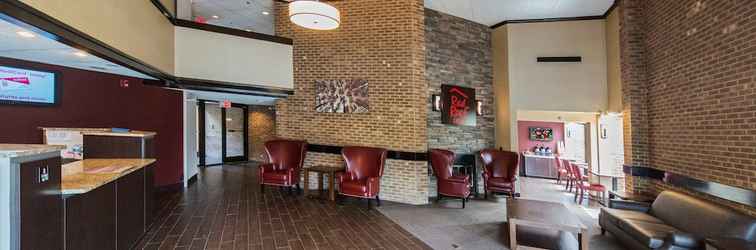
(225, 210)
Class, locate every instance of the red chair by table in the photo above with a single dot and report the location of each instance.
(286, 159)
(499, 171)
(562, 171)
(362, 176)
(581, 185)
(447, 183)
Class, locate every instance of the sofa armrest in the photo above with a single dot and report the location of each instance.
(684, 240)
(630, 205)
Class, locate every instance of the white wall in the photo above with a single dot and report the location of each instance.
(577, 87)
(191, 160)
(556, 87)
(611, 148)
(226, 58)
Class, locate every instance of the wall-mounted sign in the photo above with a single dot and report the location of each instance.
(458, 105)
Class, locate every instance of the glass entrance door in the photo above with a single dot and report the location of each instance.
(235, 143)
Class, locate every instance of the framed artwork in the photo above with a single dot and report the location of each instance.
(541, 134)
(341, 96)
(458, 105)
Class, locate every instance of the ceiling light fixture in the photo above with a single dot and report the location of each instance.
(265, 13)
(314, 15)
(215, 17)
(26, 34)
(80, 53)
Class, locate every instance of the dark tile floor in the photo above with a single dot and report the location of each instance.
(224, 209)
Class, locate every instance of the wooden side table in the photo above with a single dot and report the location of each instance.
(321, 170)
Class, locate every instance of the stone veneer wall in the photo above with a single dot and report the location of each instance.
(458, 52)
(379, 41)
(688, 72)
(262, 128)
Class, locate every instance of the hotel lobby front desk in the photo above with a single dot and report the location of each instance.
(108, 202)
(103, 201)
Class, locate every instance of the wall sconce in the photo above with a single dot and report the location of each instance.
(436, 101)
(479, 107)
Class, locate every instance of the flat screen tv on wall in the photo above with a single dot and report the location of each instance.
(28, 87)
(541, 134)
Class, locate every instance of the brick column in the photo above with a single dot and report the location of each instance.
(634, 90)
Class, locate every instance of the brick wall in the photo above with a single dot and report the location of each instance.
(689, 66)
(262, 128)
(379, 41)
(458, 52)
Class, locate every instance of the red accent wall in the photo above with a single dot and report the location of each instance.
(523, 134)
(93, 99)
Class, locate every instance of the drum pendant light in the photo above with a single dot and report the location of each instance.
(314, 15)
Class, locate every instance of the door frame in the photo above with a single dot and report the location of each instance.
(245, 129)
(202, 133)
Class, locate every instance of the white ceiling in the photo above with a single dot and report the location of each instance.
(238, 14)
(490, 12)
(234, 98)
(45, 50)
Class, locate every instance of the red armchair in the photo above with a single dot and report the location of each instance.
(286, 159)
(362, 176)
(447, 183)
(499, 171)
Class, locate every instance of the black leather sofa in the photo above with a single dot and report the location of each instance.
(676, 221)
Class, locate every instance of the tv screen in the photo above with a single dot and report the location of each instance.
(24, 86)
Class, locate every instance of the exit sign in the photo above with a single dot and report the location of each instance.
(225, 104)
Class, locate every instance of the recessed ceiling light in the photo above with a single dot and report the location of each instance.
(80, 53)
(26, 34)
(248, 30)
(265, 13)
(215, 17)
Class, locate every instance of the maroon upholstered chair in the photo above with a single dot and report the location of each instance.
(286, 159)
(499, 171)
(447, 183)
(362, 176)
(582, 185)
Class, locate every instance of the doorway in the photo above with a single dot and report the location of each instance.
(223, 133)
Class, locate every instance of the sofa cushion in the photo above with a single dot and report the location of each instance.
(702, 218)
(650, 234)
(615, 215)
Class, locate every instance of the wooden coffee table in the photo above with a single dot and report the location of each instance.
(321, 170)
(546, 215)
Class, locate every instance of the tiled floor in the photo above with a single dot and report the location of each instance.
(224, 209)
(482, 225)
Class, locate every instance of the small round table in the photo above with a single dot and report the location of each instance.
(321, 170)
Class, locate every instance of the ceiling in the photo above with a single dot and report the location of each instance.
(234, 98)
(491, 12)
(248, 14)
(40, 48)
(238, 14)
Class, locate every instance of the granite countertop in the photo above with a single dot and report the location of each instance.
(85, 175)
(132, 133)
(17, 150)
(104, 132)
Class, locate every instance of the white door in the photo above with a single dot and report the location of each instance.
(191, 159)
(213, 134)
